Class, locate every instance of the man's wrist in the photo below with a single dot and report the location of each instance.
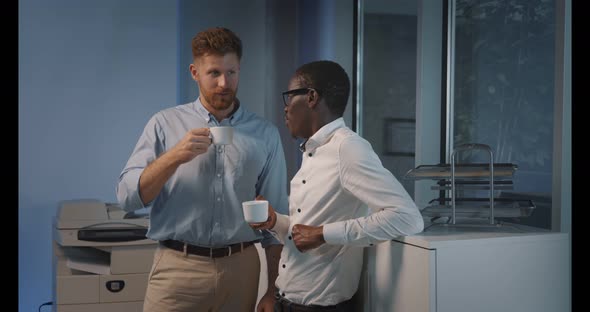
(271, 291)
(273, 220)
(320, 234)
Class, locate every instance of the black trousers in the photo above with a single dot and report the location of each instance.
(284, 305)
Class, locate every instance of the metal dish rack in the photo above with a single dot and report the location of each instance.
(454, 177)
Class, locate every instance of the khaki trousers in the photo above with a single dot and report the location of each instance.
(180, 282)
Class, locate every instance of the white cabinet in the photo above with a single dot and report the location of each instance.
(454, 269)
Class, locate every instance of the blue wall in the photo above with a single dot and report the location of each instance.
(90, 75)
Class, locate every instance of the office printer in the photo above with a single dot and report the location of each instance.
(101, 257)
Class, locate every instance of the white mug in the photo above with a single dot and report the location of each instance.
(255, 211)
(222, 135)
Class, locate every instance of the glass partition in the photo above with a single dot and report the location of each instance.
(386, 82)
(503, 90)
(498, 87)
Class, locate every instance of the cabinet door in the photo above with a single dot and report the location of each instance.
(399, 278)
(508, 274)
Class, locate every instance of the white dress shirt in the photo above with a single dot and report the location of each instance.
(343, 186)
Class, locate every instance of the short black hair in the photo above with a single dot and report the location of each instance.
(330, 80)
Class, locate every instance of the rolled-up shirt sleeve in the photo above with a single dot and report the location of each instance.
(148, 148)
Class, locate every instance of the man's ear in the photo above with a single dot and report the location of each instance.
(194, 71)
(313, 99)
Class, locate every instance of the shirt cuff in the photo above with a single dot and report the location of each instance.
(334, 233)
(130, 187)
(281, 226)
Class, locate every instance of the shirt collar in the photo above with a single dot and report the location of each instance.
(322, 136)
(203, 112)
(302, 146)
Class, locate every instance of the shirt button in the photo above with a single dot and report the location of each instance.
(303, 181)
(218, 198)
(283, 294)
(309, 154)
(219, 149)
(284, 266)
(289, 237)
(219, 175)
(298, 209)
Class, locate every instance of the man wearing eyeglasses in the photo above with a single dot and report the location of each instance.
(342, 198)
(206, 260)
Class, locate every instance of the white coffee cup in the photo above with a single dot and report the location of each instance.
(222, 135)
(255, 210)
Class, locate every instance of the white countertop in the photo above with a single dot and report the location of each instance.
(443, 235)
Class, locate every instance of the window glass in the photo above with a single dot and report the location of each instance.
(504, 88)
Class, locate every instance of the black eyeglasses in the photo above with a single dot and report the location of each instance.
(294, 92)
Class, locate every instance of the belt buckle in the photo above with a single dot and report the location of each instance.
(229, 250)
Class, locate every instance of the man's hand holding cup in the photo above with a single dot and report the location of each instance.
(271, 219)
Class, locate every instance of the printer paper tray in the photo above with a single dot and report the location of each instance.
(131, 306)
(69, 237)
(112, 235)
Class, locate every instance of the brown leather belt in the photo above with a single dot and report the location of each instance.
(205, 251)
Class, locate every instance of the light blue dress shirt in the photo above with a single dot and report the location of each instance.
(201, 204)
